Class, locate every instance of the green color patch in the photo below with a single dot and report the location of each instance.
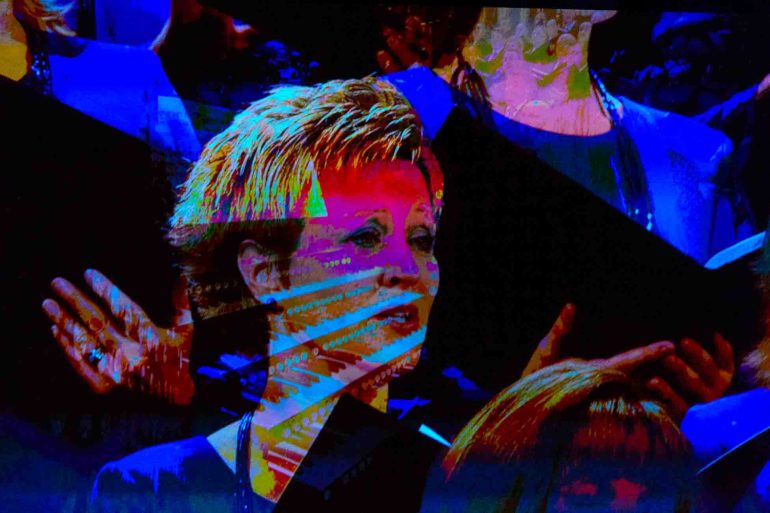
(540, 54)
(578, 83)
(550, 77)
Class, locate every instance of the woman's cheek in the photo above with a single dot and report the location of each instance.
(431, 275)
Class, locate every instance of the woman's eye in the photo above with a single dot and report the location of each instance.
(422, 242)
(367, 239)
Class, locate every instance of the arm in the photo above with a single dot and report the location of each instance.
(112, 492)
(734, 116)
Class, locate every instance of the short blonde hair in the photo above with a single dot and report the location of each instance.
(265, 164)
(259, 177)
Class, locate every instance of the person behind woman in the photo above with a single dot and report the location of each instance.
(529, 72)
(18, 54)
(574, 436)
(323, 204)
(122, 86)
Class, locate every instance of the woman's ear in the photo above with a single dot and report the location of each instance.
(258, 270)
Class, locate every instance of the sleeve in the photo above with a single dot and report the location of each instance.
(117, 491)
(428, 94)
(736, 118)
(732, 116)
(186, 476)
(700, 208)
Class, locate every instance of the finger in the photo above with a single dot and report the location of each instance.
(723, 353)
(181, 302)
(122, 307)
(52, 310)
(94, 379)
(700, 361)
(81, 338)
(633, 358)
(79, 334)
(87, 311)
(425, 32)
(764, 88)
(665, 393)
(386, 62)
(550, 346)
(566, 320)
(548, 351)
(686, 379)
(417, 39)
(80, 329)
(412, 26)
(400, 49)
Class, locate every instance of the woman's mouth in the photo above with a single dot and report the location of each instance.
(402, 319)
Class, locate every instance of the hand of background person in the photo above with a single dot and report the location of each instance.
(111, 342)
(407, 46)
(548, 351)
(213, 30)
(696, 375)
(690, 375)
(763, 90)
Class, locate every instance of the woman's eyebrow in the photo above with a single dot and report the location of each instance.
(427, 212)
(364, 213)
(372, 220)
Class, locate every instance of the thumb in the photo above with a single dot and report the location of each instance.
(181, 302)
(548, 351)
(764, 88)
(633, 358)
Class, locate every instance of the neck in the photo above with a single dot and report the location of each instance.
(550, 52)
(537, 72)
(277, 452)
(545, 50)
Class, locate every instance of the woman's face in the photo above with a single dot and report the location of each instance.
(614, 487)
(363, 278)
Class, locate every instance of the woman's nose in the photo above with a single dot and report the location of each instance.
(402, 272)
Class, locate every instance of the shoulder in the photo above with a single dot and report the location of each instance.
(124, 87)
(687, 137)
(429, 95)
(716, 427)
(148, 474)
(114, 58)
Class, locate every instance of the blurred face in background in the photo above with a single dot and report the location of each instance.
(606, 486)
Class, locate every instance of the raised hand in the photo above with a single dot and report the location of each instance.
(411, 46)
(112, 342)
(697, 376)
(763, 89)
(548, 351)
(688, 374)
